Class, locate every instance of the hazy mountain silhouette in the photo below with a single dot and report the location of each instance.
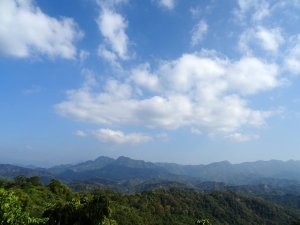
(124, 168)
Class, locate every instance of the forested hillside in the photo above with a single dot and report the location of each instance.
(27, 201)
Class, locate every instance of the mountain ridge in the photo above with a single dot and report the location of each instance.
(125, 168)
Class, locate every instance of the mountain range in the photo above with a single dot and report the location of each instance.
(278, 181)
(125, 169)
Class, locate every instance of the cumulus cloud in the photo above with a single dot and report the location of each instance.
(199, 32)
(263, 75)
(143, 78)
(202, 91)
(25, 30)
(112, 26)
(118, 137)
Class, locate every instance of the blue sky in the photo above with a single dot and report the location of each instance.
(161, 80)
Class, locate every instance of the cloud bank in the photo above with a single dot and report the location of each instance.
(199, 90)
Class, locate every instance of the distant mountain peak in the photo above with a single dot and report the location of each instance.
(120, 158)
(100, 158)
(224, 163)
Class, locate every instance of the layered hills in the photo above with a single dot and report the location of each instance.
(262, 192)
(125, 169)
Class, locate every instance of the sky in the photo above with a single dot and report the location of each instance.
(184, 81)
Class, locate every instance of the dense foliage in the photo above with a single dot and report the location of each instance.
(27, 201)
(176, 206)
(54, 204)
(11, 211)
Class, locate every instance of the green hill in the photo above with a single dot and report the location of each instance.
(180, 206)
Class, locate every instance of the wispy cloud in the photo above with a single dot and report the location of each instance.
(292, 56)
(34, 89)
(112, 26)
(111, 3)
(80, 133)
(269, 40)
(168, 4)
(83, 55)
(26, 31)
(199, 32)
(256, 10)
(239, 137)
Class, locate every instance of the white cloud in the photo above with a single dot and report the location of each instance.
(267, 39)
(118, 137)
(196, 11)
(80, 133)
(202, 91)
(25, 30)
(199, 32)
(257, 10)
(292, 56)
(270, 39)
(143, 77)
(262, 11)
(90, 79)
(169, 4)
(107, 54)
(246, 38)
(251, 75)
(244, 5)
(112, 26)
(239, 137)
